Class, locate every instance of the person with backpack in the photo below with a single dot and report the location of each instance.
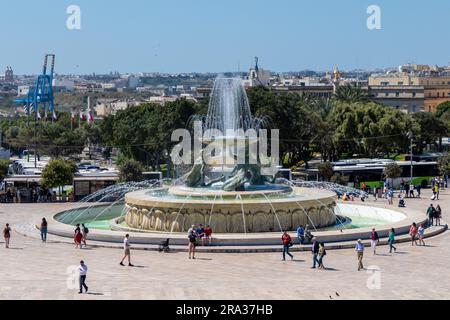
(322, 254)
(431, 212)
(287, 243)
(374, 240)
(85, 232)
(192, 236)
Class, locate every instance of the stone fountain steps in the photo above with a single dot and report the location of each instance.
(31, 231)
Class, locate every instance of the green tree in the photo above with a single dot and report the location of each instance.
(442, 109)
(296, 116)
(431, 130)
(444, 164)
(325, 170)
(392, 171)
(367, 129)
(58, 173)
(143, 133)
(4, 167)
(131, 171)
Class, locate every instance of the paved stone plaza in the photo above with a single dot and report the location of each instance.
(33, 270)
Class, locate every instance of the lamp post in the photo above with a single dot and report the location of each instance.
(411, 137)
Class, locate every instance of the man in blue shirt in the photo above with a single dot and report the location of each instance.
(301, 234)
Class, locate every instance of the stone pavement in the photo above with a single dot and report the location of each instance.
(33, 270)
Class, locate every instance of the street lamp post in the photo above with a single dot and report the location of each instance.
(411, 137)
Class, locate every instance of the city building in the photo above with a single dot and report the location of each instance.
(318, 90)
(409, 99)
(106, 107)
(63, 85)
(9, 75)
(413, 83)
(257, 77)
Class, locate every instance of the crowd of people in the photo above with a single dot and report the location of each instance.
(30, 195)
(198, 235)
(202, 235)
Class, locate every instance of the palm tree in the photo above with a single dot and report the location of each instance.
(351, 93)
(323, 106)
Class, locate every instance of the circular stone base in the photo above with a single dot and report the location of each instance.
(165, 212)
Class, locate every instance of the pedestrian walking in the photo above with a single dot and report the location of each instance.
(390, 196)
(375, 239)
(78, 237)
(7, 235)
(44, 230)
(127, 251)
(431, 214)
(411, 191)
(315, 252)
(84, 232)
(438, 215)
(192, 236)
(359, 248)
(287, 243)
(322, 254)
(83, 269)
(421, 233)
(413, 233)
(391, 241)
(419, 189)
(436, 191)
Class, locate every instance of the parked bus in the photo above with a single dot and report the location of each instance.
(370, 172)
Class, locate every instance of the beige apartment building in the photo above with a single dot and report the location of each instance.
(435, 88)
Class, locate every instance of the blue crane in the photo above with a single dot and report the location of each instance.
(43, 91)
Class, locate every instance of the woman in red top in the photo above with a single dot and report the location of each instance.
(208, 234)
(78, 239)
(413, 233)
(287, 243)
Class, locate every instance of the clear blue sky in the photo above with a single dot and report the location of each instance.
(217, 35)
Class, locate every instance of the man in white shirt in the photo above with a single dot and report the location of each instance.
(127, 250)
(411, 190)
(83, 269)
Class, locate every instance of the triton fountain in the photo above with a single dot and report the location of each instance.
(231, 196)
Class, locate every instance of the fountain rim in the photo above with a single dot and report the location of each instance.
(141, 198)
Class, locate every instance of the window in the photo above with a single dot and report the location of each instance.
(414, 94)
(400, 83)
(384, 83)
(397, 94)
(386, 94)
